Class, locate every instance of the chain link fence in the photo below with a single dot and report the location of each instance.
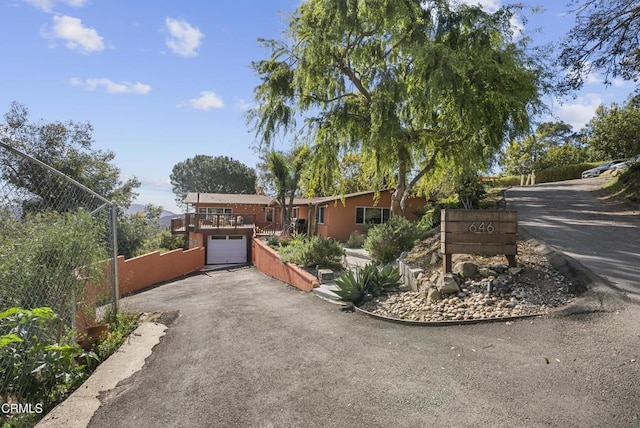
(57, 238)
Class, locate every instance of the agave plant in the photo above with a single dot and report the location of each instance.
(355, 285)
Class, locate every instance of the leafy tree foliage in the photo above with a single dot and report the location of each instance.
(139, 233)
(614, 131)
(41, 257)
(554, 144)
(285, 171)
(605, 38)
(203, 173)
(65, 146)
(408, 85)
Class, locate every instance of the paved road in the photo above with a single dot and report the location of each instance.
(250, 351)
(597, 232)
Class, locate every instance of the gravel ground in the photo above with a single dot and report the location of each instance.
(496, 291)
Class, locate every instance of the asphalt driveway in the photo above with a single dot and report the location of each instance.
(249, 351)
(598, 231)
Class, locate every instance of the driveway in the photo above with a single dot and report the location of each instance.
(598, 232)
(249, 351)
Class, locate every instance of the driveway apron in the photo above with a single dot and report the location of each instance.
(249, 351)
(571, 218)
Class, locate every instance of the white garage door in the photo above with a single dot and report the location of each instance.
(226, 249)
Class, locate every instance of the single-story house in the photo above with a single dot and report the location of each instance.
(225, 223)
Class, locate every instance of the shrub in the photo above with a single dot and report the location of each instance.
(36, 364)
(273, 241)
(121, 325)
(385, 242)
(430, 219)
(356, 239)
(355, 285)
(48, 258)
(325, 253)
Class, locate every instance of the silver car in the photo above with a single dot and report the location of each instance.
(595, 172)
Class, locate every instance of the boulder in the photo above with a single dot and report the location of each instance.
(466, 269)
(434, 295)
(499, 267)
(486, 272)
(515, 271)
(448, 284)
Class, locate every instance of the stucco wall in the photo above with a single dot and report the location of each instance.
(340, 220)
(138, 273)
(268, 262)
(143, 271)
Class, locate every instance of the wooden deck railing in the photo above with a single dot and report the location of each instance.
(195, 222)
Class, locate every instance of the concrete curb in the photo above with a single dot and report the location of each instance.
(444, 323)
(78, 409)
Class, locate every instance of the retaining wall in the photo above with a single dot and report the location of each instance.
(143, 271)
(268, 262)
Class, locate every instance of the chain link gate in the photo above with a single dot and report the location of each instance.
(58, 250)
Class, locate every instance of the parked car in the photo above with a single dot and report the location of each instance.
(595, 172)
(619, 167)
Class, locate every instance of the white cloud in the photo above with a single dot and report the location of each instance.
(47, 5)
(489, 5)
(76, 36)
(593, 79)
(183, 40)
(241, 105)
(579, 112)
(112, 87)
(206, 101)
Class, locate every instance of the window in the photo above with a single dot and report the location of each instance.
(214, 210)
(269, 214)
(372, 215)
(295, 212)
(320, 215)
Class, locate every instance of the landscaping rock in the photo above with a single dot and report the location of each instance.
(433, 295)
(466, 269)
(448, 284)
(486, 272)
(533, 290)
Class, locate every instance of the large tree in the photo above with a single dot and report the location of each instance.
(605, 38)
(220, 174)
(67, 147)
(408, 84)
(552, 145)
(614, 131)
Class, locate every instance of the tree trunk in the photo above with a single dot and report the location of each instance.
(401, 187)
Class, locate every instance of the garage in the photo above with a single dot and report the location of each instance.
(226, 249)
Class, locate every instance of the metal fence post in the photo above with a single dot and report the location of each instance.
(114, 255)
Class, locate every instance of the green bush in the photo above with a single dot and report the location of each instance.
(47, 260)
(355, 285)
(37, 364)
(121, 326)
(385, 242)
(567, 172)
(356, 239)
(273, 241)
(430, 219)
(325, 253)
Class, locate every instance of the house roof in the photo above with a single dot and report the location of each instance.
(227, 198)
(322, 200)
(230, 198)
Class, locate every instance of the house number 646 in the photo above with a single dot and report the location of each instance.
(481, 227)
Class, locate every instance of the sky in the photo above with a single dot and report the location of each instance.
(162, 81)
